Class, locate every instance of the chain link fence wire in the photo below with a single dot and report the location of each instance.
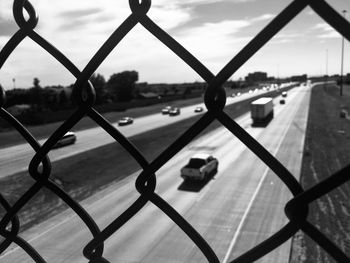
(215, 99)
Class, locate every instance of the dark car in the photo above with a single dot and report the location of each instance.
(282, 101)
(125, 121)
(174, 111)
(198, 109)
(166, 110)
(68, 138)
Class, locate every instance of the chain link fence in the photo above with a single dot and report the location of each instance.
(215, 100)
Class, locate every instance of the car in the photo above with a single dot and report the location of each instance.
(284, 94)
(125, 121)
(67, 139)
(198, 109)
(282, 101)
(200, 167)
(233, 95)
(166, 110)
(174, 111)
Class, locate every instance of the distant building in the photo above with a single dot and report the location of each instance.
(301, 78)
(256, 77)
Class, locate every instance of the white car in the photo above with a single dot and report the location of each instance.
(68, 138)
(166, 110)
(125, 121)
(174, 112)
(198, 109)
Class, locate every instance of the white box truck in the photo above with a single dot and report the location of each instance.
(261, 111)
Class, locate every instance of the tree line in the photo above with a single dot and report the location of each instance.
(120, 87)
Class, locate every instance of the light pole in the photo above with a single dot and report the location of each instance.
(342, 62)
(326, 62)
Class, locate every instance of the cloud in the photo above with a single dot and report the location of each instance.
(170, 16)
(263, 17)
(196, 2)
(223, 36)
(72, 14)
(323, 26)
(213, 41)
(327, 31)
(7, 27)
(282, 38)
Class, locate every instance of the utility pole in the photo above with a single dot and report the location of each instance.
(326, 62)
(342, 62)
(326, 77)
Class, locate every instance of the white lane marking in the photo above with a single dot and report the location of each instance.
(250, 204)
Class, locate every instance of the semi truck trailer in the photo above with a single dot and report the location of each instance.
(261, 111)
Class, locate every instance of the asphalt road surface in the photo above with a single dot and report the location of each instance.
(15, 159)
(234, 211)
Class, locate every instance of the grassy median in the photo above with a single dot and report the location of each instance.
(326, 151)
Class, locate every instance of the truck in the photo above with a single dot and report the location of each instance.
(200, 167)
(261, 111)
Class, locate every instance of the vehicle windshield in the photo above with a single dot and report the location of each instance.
(195, 162)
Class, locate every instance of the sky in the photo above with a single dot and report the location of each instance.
(214, 31)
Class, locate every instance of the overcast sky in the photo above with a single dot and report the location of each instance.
(212, 30)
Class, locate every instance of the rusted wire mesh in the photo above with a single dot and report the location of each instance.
(215, 99)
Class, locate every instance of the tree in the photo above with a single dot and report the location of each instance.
(99, 83)
(2, 96)
(122, 85)
(36, 94)
(188, 91)
(36, 83)
(63, 100)
(36, 97)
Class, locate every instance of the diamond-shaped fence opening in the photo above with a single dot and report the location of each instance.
(146, 183)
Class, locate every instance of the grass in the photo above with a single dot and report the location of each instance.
(326, 151)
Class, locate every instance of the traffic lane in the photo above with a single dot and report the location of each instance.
(104, 217)
(153, 222)
(267, 216)
(67, 237)
(218, 213)
(16, 158)
(151, 226)
(217, 210)
(71, 251)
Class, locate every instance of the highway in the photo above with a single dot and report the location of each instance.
(234, 211)
(16, 158)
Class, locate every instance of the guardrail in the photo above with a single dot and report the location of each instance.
(215, 98)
